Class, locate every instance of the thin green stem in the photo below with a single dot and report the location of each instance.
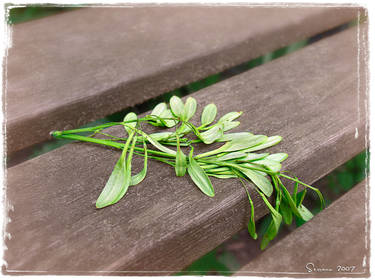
(108, 143)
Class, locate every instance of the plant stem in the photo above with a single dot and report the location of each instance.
(108, 143)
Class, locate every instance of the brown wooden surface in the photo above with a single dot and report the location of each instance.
(337, 237)
(310, 98)
(66, 70)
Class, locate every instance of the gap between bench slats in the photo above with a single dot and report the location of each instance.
(335, 239)
(309, 97)
(69, 69)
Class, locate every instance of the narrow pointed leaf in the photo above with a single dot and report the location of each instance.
(234, 136)
(254, 156)
(300, 196)
(119, 181)
(286, 212)
(230, 117)
(273, 227)
(217, 169)
(243, 143)
(253, 168)
(222, 176)
(260, 181)
(295, 190)
(214, 152)
(180, 166)
(272, 165)
(137, 178)
(289, 199)
(278, 157)
(232, 155)
(208, 114)
(199, 177)
(230, 125)
(271, 141)
(251, 225)
(159, 136)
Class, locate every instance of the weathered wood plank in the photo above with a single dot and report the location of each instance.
(335, 239)
(310, 98)
(66, 70)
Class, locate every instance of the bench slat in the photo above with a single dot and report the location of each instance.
(309, 97)
(335, 239)
(66, 70)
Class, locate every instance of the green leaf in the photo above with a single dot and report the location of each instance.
(243, 143)
(306, 215)
(158, 110)
(251, 225)
(215, 168)
(177, 106)
(269, 235)
(253, 157)
(260, 181)
(131, 119)
(272, 165)
(232, 155)
(229, 117)
(116, 184)
(199, 177)
(160, 136)
(184, 129)
(211, 135)
(157, 145)
(214, 152)
(278, 157)
(119, 181)
(180, 166)
(317, 191)
(208, 114)
(289, 199)
(167, 116)
(189, 108)
(286, 212)
(254, 168)
(300, 196)
(137, 178)
(273, 227)
(230, 125)
(221, 176)
(295, 190)
(271, 141)
(234, 136)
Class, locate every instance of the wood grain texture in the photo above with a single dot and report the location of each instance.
(69, 69)
(336, 237)
(314, 98)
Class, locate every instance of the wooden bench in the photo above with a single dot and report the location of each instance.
(85, 64)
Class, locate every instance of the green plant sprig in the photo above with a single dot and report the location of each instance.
(236, 158)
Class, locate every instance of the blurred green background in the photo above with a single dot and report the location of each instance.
(240, 249)
(22, 14)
